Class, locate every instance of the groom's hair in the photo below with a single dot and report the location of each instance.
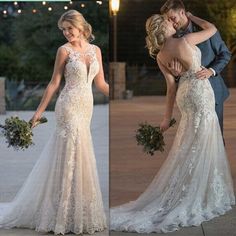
(172, 5)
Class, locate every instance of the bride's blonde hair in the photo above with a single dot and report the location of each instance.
(155, 34)
(77, 20)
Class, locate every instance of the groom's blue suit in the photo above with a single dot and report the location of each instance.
(215, 55)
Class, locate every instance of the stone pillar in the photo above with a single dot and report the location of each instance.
(2, 96)
(117, 78)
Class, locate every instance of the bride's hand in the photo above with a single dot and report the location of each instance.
(189, 14)
(35, 118)
(165, 124)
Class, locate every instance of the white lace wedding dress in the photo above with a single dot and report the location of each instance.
(194, 184)
(62, 193)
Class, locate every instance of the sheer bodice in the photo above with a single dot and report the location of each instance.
(62, 193)
(75, 104)
(195, 96)
(194, 184)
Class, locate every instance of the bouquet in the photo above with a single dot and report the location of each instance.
(18, 133)
(151, 138)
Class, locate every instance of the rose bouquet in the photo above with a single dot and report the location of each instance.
(151, 137)
(18, 133)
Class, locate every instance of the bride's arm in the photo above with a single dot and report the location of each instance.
(170, 96)
(99, 80)
(208, 30)
(53, 84)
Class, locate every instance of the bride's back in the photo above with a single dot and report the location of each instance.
(177, 48)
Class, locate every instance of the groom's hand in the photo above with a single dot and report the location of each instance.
(175, 67)
(204, 73)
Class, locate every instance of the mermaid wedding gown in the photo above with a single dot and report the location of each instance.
(62, 193)
(194, 184)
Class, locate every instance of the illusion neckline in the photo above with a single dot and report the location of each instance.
(74, 53)
(88, 49)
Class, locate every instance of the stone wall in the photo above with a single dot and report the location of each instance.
(2, 96)
(117, 78)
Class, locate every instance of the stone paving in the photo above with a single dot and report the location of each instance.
(16, 165)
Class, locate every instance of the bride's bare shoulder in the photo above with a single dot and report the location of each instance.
(176, 41)
(162, 55)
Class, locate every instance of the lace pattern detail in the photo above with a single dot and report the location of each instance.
(194, 184)
(74, 105)
(62, 193)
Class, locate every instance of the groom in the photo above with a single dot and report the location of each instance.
(215, 54)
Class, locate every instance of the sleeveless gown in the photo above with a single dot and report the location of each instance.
(194, 184)
(62, 192)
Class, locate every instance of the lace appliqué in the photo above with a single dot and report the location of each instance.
(194, 184)
(62, 193)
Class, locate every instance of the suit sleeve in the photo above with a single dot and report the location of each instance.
(222, 53)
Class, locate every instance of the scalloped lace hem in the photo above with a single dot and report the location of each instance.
(176, 223)
(51, 229)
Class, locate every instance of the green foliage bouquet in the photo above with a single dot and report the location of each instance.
(151, 137)
(18, 133)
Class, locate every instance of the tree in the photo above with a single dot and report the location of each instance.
(223, 13)
(29, 41)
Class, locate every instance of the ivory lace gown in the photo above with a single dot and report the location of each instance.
(62, 193)
(194, 184)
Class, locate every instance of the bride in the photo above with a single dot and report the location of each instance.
(194, 184)
(62, 192)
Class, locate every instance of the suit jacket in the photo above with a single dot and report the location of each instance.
(216, 55)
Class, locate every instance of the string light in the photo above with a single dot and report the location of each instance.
(19, 11)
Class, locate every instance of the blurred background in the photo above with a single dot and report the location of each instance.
(141, 75)
(137, 96)
(29, 38)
